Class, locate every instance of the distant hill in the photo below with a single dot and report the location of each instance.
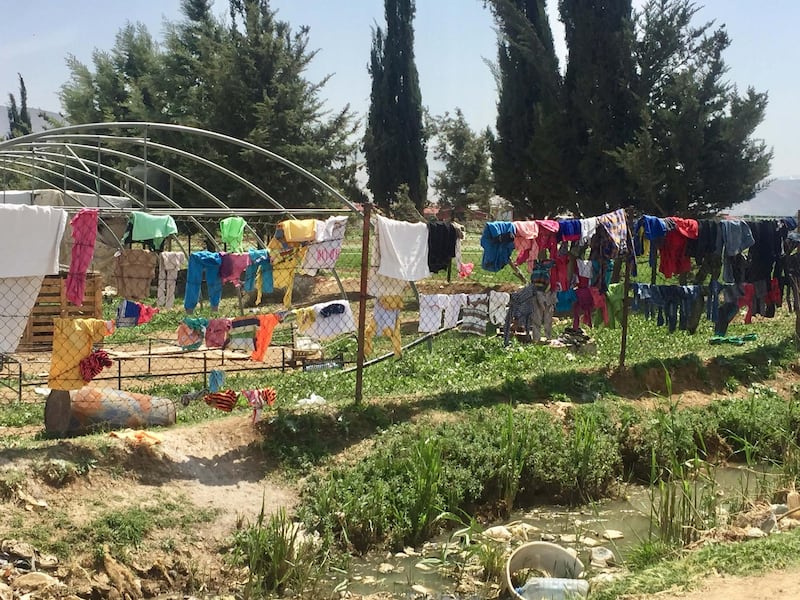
(781, 198)
(38, 122)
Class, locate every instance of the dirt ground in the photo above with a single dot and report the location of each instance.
(769, 586)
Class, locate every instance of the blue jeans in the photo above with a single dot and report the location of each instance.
(203, 263)
(259, 258)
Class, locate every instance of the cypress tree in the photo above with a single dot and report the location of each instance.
(526, 154)
(394, 141)
(602, 108)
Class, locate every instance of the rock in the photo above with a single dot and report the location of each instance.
(604, 579)
(613, 534)
(755, 532)
(498, 533)
(602, 557)
(769, 524)
(385, 568)
(548, 537)
(18, 549)
(523, 531)
(569, 538)
(6, 593)
(421, 589)
(589, 542)
(423, 567)
(410, 551)
(122, 578)
(31, 503)
(34, 581)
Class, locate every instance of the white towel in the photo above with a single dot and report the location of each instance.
(17, 298)
(403, 249)
(324, 251)
(588, 229)
(30, 238)
(498, 307)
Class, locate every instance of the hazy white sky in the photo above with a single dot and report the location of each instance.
(453, 40)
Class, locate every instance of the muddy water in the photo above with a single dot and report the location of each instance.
(412, 573)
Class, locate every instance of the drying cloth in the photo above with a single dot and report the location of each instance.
(585, 269)
(139, 436)
(570, 230)
(146, 313)
(203, 264)
(441, 245)
(331, 319)
(134, 271)
(385, 321)
(84, 236)
(152, 227)
(526, 234)
(224, 401)
(497, 241)
(565, 300)
(540, 274)
(217, 333)
(32, 236)
(520, 312)
(588, 229)
(431, 308)
(258, 398)
(736, 238)
(266, 325)
(216, 379)
(403, 249)
(91, 366)
(498, 307)
(285, 257)
(544, 304)
(324, 251)
(72, 342)
(616, 225)
(300, 230)
(258, 276)
(17, 299)
(190, 332)
(232, 232)
(169, 263)
(232, 267)
(548, 236)
(475, 314)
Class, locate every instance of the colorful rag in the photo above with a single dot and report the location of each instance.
(224, 401)
(616, 225)
(92, 365)
(84, 236)
(216, 379)
(258, 398)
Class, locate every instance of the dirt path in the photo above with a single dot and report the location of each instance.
(770, 586)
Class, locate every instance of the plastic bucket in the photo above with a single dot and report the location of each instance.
(551, 560)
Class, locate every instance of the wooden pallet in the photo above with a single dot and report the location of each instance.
(52, 302)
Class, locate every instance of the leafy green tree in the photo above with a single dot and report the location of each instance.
(394, 142)
(694, 153)
(19, 119)
(466, 177)
(603, 110)
(527, 154)
(244, 77)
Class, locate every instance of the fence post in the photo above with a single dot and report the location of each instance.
(362, 303)
(626, 286)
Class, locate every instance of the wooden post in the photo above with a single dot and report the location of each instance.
(626, 286)
(362, 303)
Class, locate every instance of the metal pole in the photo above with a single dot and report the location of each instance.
(362, 303)
(626, 286)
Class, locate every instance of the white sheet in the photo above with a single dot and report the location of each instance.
(17, 297)
(403, 249)
(30, 238)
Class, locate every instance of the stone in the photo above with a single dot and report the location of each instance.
(602, 557)
(569, 538)
(34, 581)
(613, 534)
(385, 568)
(589, 542)
(754, 533)
(498, 533)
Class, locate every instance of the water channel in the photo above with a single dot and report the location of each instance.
(626, 519)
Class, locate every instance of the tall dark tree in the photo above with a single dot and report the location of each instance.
(603, 111)
(527, 157)
(694, 153)
(466, 177)
(395, 142)
(19, 119)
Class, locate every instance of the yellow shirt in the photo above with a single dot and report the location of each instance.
(72, 342)
(300, 230)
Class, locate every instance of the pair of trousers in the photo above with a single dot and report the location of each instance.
(203, 263)
(544, 304)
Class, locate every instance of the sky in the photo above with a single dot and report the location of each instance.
(454, 41)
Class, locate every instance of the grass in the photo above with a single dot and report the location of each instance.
(691, 570)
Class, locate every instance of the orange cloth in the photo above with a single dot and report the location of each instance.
(266, 324)
(137, 437)
(72, 342)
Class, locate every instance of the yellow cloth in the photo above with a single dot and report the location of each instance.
(72, 342)
(393, 333)
(137, 437)
(286, 257)
(300, 230)
(305, 318)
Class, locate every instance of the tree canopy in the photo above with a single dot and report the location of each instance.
(395, 142)
(19, 119)
(243, 77)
